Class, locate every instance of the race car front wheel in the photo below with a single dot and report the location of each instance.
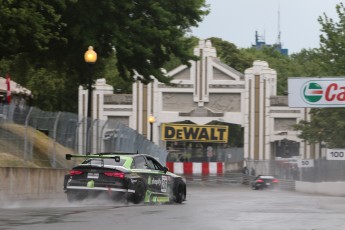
(180, 194)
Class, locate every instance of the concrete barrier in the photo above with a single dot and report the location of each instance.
(322, 188)
(44, 183)
(31, 183)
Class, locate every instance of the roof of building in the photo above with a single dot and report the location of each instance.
(228, 67)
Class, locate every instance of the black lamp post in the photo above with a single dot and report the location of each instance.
(90, 57)
(151, 120)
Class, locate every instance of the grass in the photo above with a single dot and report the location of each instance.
(12, 148)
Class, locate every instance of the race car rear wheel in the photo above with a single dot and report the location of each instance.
(180, 193)
(139, 194)
(73, 196)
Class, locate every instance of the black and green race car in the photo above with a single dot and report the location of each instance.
(123, 176)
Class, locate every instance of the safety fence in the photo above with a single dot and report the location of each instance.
(323, 170)
(32, 137)
(40, 138)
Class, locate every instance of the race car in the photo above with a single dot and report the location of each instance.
(262, 182)
(128, 177)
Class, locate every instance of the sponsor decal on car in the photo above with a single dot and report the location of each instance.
(159, 182)
(164, 184)
(156, 182)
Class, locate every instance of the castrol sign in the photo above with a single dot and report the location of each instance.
(316, 92)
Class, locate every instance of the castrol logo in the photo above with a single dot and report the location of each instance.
(314, 92)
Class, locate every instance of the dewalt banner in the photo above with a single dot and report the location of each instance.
(196, 133)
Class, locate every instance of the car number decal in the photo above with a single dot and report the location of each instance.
(164, 184)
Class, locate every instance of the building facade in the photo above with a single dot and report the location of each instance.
(208, 91)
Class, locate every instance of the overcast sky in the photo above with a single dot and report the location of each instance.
(237, 20)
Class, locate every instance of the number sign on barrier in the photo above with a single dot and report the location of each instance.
(335, 154)
(305, 163)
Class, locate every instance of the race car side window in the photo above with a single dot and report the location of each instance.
(153, 164)
(150, 164)
(139, 163)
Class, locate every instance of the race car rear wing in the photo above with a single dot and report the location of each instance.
(69, 157)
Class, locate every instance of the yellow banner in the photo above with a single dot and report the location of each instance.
(197, 133)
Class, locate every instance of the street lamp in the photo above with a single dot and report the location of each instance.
(90, 57)
(151, 120)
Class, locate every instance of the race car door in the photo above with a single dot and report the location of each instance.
(159, 181)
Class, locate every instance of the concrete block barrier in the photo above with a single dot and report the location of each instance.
(31, 183)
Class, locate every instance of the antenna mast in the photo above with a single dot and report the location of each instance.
(279, 33)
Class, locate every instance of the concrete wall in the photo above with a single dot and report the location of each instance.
(31, 183)
(43, 183)
(322, 188)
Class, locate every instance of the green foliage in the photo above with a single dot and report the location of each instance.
(332, 41)
(327, 125)
(229, 54)
(309, 63)
(28, 26)
(47, 87)
(113, 78)
(144, 34)
(53, 35)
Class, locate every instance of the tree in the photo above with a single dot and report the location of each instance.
(28, 26)
(332, 42)
(229, 54)
(142, 35)
(327, 125)
(45, 96)
(310, 63)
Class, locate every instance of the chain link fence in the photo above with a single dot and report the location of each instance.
(39, 138)
(36, 138)
(323, 171)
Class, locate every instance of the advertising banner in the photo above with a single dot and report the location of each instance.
(316, 92)
(197, 133)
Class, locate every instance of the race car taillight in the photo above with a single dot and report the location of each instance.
(75, 172)
(275, 181)
(115, 174)
(260, 181)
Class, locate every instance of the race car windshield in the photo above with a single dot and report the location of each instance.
(102, 162)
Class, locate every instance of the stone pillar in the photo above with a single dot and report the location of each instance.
(260, 86)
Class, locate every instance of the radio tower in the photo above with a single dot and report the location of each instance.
(278, 45)
(279, 32)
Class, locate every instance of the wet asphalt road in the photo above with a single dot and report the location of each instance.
(207, 207)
